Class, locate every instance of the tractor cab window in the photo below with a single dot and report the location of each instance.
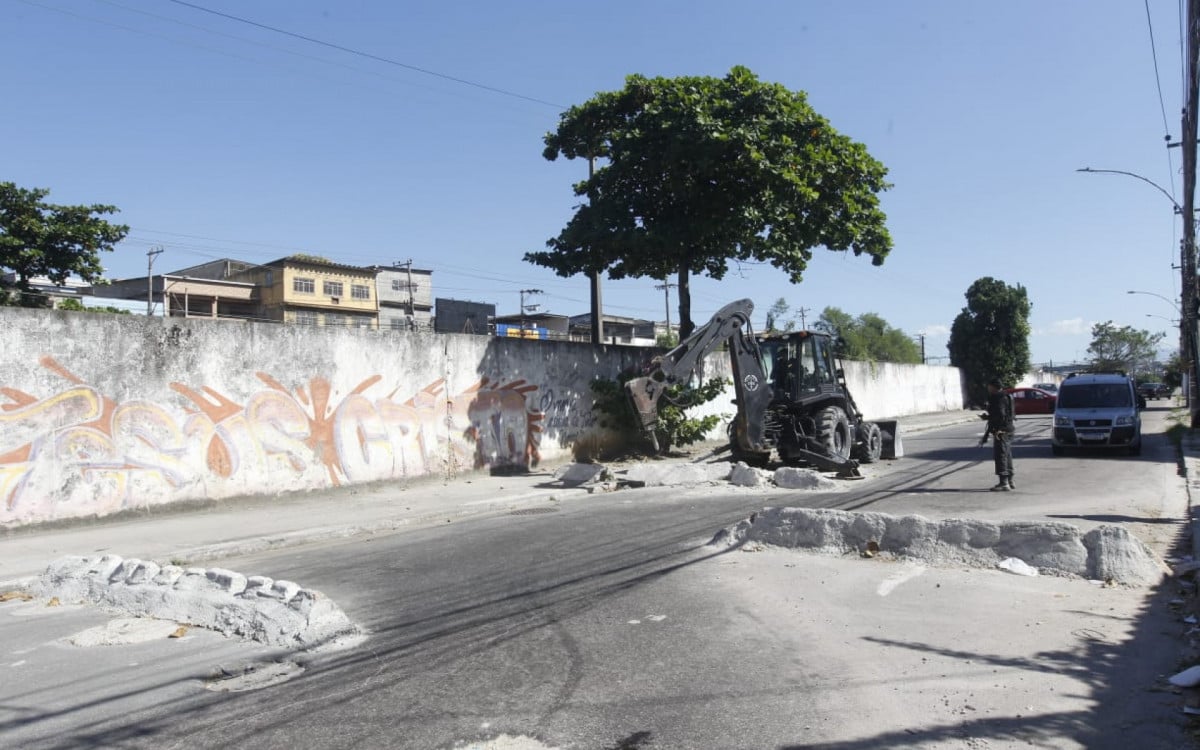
(780, 363)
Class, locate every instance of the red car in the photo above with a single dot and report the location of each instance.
(1032, 400)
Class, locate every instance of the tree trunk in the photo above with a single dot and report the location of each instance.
(686, 326)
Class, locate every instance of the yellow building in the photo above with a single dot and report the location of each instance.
(306, 290)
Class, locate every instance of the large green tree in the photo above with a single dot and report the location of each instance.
(697, 172)
(1123, 349)
(44, 239)
(990, 337)
(869, 338)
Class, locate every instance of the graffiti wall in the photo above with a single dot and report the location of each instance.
(100, 414)
(104, 413)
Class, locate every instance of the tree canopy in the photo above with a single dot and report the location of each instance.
(1123, 349)
(697, 172)
(44, 239)
(777, 317)
(869, 338)
(990, 337)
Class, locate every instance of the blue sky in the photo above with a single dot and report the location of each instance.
(219, 139)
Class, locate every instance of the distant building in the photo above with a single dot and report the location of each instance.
(51, 291)
(533, 326)
(460, 316)
(405, 297)
(617, 330)
(306, 290)
(209, 290)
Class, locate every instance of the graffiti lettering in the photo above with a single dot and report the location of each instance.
(76, 452)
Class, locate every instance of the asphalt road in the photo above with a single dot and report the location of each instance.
(606, 622)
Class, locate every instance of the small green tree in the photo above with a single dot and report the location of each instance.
(869, 338)
(75, 305)
(675, 427)
(45, 239)
(777, 317)
(696, 172)
(990, 337)
(1123, 348)
(1175, 370)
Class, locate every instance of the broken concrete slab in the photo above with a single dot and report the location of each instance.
(1115, 554)
(795, 478)
(581, 474)
(1108, 553)
(744, 475)
(280, 614)
(677, 474)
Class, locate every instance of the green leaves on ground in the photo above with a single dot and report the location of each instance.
(675, 428)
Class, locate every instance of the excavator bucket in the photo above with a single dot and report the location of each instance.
(643, 395)
(892, 445)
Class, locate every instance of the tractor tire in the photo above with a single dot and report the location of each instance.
(833, 432)
(872, 444)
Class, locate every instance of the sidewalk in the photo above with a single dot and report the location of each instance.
(200, 532)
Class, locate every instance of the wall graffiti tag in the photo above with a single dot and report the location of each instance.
(79, 452)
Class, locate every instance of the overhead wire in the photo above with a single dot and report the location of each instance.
(1162, 107)
(369, 55)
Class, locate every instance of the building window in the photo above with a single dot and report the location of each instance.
(306, 318)
(362, 321)
(270, 279)
(360, 291)
(401, 286)
(333, 289)
(303, 286)
(399, 324)
(334, 319)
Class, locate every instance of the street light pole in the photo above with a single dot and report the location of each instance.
(1187, 262)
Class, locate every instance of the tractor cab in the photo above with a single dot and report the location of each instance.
(800, 365)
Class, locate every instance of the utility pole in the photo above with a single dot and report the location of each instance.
(921, 337)
(151, 254)
(803, 320)
(523, 293)
(666, 287)
(597, 306)
(1188, 249)
(411, 310)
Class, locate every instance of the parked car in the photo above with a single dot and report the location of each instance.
(1097, 410)
(1047, 387)
(1032, 401)
(1155, 390)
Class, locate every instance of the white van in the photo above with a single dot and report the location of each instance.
(1097, 410)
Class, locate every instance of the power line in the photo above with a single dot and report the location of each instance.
(368, 55)
(1162, 107)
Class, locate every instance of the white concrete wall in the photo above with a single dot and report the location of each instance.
(1039, 376)
(102, 413)
(881, 390)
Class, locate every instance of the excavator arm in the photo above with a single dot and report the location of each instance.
(731, 324)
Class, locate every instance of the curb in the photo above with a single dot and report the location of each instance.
(1189, 451)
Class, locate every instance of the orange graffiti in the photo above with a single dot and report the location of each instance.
(78, 452)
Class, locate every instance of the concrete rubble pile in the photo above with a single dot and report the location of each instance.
(275, 612)
(668, 474)
(1106, 553)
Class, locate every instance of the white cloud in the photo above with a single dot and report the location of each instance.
(938, 330)
(1070, 327)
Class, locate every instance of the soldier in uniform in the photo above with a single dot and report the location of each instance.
(1000, 427)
